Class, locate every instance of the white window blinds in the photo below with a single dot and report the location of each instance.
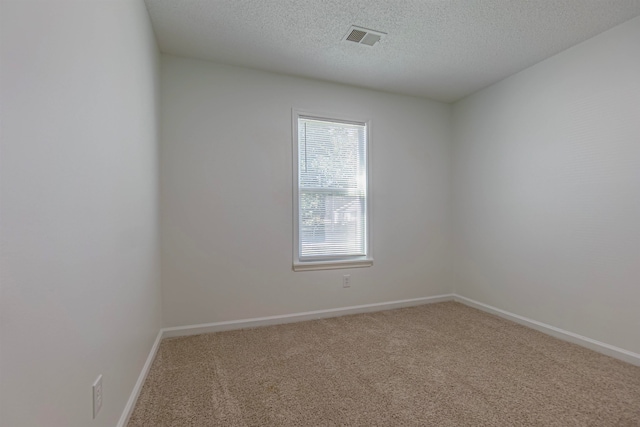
(332, 189)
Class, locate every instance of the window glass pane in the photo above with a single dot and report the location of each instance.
(331, 224)
(331, 154)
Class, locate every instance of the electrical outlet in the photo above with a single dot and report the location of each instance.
(346, 281)
(97, 395)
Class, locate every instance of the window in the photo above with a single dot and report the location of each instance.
(331, 193)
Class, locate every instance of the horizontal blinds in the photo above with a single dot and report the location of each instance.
(331, 188)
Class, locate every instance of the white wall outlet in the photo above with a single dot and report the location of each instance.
(346, 281)
(97, 395)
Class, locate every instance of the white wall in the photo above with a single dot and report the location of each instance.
(80, 291)
(547, 190)
(226, 195)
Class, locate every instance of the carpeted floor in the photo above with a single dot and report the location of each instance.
(434, 365)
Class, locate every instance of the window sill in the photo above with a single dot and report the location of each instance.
(331, 265)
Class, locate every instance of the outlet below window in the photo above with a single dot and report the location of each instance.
(346, 281)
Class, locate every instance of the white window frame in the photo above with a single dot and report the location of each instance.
(331, 263)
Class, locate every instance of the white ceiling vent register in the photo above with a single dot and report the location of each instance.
(363, 36)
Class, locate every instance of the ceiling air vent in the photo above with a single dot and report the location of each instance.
(363, 36)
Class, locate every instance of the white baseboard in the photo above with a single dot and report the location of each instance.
(600, 347)
(206, 328)
(131, 403)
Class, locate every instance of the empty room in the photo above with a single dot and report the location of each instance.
(319, 213)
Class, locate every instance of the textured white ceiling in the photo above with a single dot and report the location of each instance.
(441, 49)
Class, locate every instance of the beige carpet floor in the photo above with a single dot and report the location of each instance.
(434, 365)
